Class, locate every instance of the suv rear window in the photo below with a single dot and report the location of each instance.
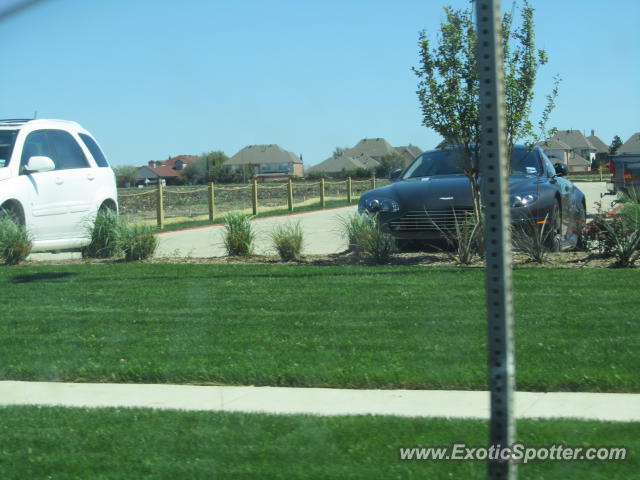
(7, 139)
(93, 147)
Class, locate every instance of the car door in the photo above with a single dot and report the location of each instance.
(61, 198)
(77, 180)
(48, 218)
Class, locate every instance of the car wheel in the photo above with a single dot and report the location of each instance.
(555, 235)
(11, 211)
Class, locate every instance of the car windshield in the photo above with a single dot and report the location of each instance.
(449, 162)
(7, 139)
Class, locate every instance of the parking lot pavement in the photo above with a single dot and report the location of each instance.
(321, 235)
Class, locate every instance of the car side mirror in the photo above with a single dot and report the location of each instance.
(39, 164)
(395, 174)
(562, 169)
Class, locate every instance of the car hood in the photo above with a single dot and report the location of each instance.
(441, 192)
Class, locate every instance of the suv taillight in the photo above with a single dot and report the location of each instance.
(612, 167)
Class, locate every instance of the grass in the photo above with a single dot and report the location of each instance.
(15, 241)
(292, 325)
(137, 443)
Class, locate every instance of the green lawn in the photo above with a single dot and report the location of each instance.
(295, 325)
(60, 443)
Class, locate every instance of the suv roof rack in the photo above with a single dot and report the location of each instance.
(14, 121)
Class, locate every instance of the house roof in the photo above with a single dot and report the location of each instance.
(259, 154)
(554, 144)
(409, 151)
(632, 145)
(574, 138)
(372, 147)
(599, 145)
(167, 168)
(337, 164)
(575, 159)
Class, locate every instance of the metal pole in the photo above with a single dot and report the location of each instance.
(494, 170)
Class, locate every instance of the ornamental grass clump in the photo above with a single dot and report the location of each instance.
(239, 235)
(105, 233)
(138, 242)
(465, 239)
(15, 242)
(367, 240)
(288, 241)
(532, 240)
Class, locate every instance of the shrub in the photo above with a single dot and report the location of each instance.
(366, 238)
(15, 243)
(288, 240)
(137, 242)
(239, 235)
(351, 228)
(532, 239)
(465, 239)
(315, 175)
(105, 235)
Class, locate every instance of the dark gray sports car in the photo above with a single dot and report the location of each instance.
(431, 194)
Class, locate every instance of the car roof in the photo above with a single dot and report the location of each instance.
(12, 123)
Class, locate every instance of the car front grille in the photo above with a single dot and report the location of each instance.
(432, 220)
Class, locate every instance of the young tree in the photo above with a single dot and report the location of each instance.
(448, 86)
(616, 143)
(126, 175)
(387, 163)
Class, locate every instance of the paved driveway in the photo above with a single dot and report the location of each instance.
(321, 232)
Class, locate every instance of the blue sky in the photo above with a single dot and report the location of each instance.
(155, 78)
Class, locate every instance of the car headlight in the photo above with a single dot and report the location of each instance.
(385, 205)
(523, 200)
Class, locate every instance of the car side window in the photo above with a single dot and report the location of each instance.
(67, 152)
(36, 144)
(551, 170)
(93, 147)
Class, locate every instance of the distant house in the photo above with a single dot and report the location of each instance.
(168, 170)
(367, 153)
(602, 149)
(631, 146)
(582, 152)
(267, 162)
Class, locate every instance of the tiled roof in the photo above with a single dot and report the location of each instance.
(337, 164)
(554, 144)
(574, 138)
(632, 145)
(599, 145)
(263, 154)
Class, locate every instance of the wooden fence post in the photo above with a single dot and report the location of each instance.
(254, 196)
(322, 192)
(373, 181)
(212, 203)
(349, 190)
(290, 195)
(160, 210)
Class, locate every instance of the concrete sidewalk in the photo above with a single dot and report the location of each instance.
(617, 407)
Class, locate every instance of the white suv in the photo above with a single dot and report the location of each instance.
(53, 179)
